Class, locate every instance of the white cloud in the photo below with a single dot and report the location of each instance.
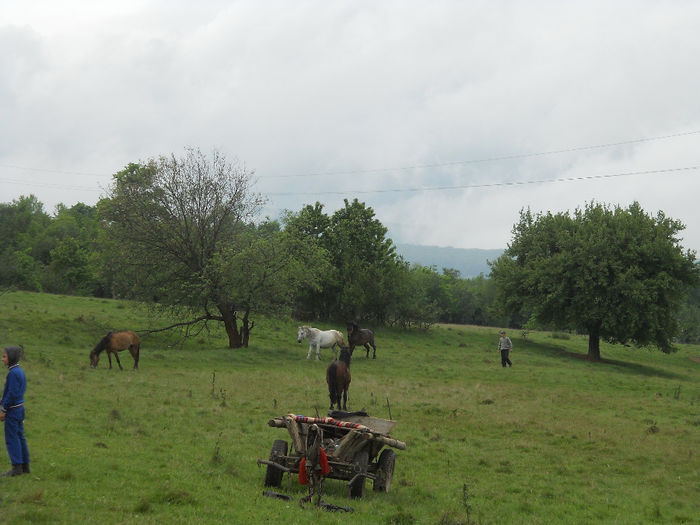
(355, 87)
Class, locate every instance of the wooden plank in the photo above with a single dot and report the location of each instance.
(388, 441)
(278, 422)
(346, 445)
(293, 429)
(375, 424)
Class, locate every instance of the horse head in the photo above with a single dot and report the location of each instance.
(94, 358)
(95, 353)
(301, 333)
(345, 355)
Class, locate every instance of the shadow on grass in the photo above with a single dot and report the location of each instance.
(622, 366)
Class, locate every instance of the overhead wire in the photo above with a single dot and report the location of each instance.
(485, 159)
(489, 185)
(406, 168)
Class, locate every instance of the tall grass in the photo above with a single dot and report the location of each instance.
(555, 439)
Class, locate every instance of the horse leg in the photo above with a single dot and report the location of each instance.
(374, 350)
(109, 356)
(345, 400)
(318, 351)
(135, 354)
(331, 395)
(367, 348)
(118, 361)
(308, 356)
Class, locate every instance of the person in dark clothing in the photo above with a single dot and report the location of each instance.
(12, 412)
(505, 345)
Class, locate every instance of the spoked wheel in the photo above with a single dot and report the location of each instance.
(385, 470)
(273, 475)
(360, 461)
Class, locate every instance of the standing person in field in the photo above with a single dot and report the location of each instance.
(505, 345)
(12, 412)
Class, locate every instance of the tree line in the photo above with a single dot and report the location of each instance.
(184, 234)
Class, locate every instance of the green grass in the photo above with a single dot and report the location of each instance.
(555, 439)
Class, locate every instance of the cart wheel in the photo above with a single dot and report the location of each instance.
(385, 470)
(360, 461)
(273, 475)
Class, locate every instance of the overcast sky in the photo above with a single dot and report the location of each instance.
(447, 118)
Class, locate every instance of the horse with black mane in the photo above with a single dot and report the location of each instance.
(338, 379)
(361, 337)
(115, 342)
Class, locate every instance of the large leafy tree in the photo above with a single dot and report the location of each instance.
(178, 232)
(610, 272)
(363, 280)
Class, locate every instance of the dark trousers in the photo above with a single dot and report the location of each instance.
(504, 358)
(14, 437)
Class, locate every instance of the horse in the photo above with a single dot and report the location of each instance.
(338, 378)
(361, 337)
(322, 339)
(115, 342)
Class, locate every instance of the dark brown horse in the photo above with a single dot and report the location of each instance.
(115, 342)
(338, 379)
(361, 337)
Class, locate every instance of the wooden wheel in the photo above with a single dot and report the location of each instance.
(273, 475)
(385, 470)
(360, 461)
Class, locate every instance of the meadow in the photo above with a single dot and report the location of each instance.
(554, 439)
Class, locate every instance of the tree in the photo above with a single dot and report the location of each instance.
(363, 280)
(612, 273)
(21, 223)
(68, 249)
(266, 271)
(177, 230)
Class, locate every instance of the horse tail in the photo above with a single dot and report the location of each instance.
(332, 380)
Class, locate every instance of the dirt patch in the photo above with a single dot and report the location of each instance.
(695, 358)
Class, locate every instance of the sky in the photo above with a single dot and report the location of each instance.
(447, 118)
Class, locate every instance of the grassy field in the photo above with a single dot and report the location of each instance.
(555, 439)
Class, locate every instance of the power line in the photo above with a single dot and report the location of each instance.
(49, 185)
(490, 185)
(406, 168)
(486, 159)
(48, 170)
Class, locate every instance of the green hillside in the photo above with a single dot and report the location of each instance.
(555, 439)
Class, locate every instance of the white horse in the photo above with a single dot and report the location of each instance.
(322, 339)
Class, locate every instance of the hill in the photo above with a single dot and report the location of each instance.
(470, 262)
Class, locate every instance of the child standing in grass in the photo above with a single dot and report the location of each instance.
(12, 412)
(505, 345)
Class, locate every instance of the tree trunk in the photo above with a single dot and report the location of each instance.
(246, 328)
(228, 313)
(594, 344)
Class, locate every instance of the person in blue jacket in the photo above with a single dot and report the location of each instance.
(12, 412)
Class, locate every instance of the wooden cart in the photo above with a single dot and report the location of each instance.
(354, 444)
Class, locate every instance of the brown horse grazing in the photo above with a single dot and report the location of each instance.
(361, 337)
(115, 342)
(338, 379)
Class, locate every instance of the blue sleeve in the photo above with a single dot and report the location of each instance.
(13, 393)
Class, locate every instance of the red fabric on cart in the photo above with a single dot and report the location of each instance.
(323, 462)
(303, 479)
